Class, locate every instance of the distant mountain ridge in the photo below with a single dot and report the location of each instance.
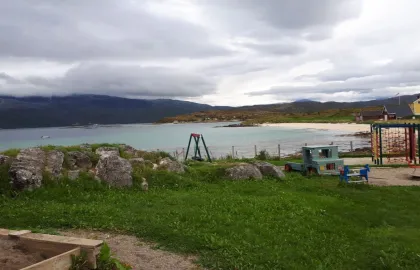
(35, 111)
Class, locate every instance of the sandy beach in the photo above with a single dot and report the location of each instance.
(324, 126)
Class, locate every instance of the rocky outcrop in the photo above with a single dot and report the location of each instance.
(4, 159)
(78, 160)
(114, 170)
(73, 175)
(268, 169)
(26, 170)
(171, 166)
(137, 161)
(129, 149)
(243, 172)
(107, 151)
(55, 161)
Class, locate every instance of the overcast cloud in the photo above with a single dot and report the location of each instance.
(222, 52)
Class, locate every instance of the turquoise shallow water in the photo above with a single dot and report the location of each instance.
(171, 137)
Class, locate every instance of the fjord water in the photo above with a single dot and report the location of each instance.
(174, 137)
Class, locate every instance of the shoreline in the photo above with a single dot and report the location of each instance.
(324, 126)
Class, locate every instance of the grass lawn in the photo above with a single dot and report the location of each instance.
(297, 223)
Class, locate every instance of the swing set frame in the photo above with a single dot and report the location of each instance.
(197, 153)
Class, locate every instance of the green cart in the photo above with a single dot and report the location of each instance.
(320, 159)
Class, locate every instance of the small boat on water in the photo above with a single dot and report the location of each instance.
(45, 137)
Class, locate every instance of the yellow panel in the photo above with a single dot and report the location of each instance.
(321, 168)
(416, 106)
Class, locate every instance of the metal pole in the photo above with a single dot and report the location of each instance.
(188, 148)
(351, 146)
(380, 146)
(205, 147)
(371, 141)
(418, 142)
(233, 152)
(255, 150)
(279, 151)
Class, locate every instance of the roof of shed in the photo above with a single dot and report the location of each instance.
(402, 110)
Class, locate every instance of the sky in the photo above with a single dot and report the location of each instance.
(219, 52)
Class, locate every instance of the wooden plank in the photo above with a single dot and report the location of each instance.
(4, 233)
(59, 262)
(87, 243)
(18, 234)
(52, 245)
(50, 249)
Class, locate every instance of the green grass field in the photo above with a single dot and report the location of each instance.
(296, 223)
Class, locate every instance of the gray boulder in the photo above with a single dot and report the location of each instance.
(243, 172)
(79, 160)
(108, 151)
(171, 166)
(26, 170)
(115, 171)
(73, 175)
(4, 159)
(268, 169)
(137, 161)
(55, 161)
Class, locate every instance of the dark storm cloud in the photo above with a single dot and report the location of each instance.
(79, 30)
(8, 79)
(299, 14)
(360, 85)
(122, 80)
(311, 19)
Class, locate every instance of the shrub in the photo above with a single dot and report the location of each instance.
(263, 155)
(106, 261)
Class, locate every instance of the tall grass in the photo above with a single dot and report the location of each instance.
(296, 223)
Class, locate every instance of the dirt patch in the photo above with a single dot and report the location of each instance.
(14, 256)
(357, 161)
(138, 254)
(394, 177)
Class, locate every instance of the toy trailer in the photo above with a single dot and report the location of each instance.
(321, 159)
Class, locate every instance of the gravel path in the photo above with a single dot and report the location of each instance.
(394, 177)
(140, 255)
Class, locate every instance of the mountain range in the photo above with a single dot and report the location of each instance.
(29, 112)
(34, 111)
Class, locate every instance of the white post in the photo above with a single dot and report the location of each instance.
(233, 151)
(279, 151)
(255, 150)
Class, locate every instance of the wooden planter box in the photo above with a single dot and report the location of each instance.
(57, 248)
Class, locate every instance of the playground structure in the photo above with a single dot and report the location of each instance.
(318, 160)
(346, 174)
(197, 152)
(395, 143)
